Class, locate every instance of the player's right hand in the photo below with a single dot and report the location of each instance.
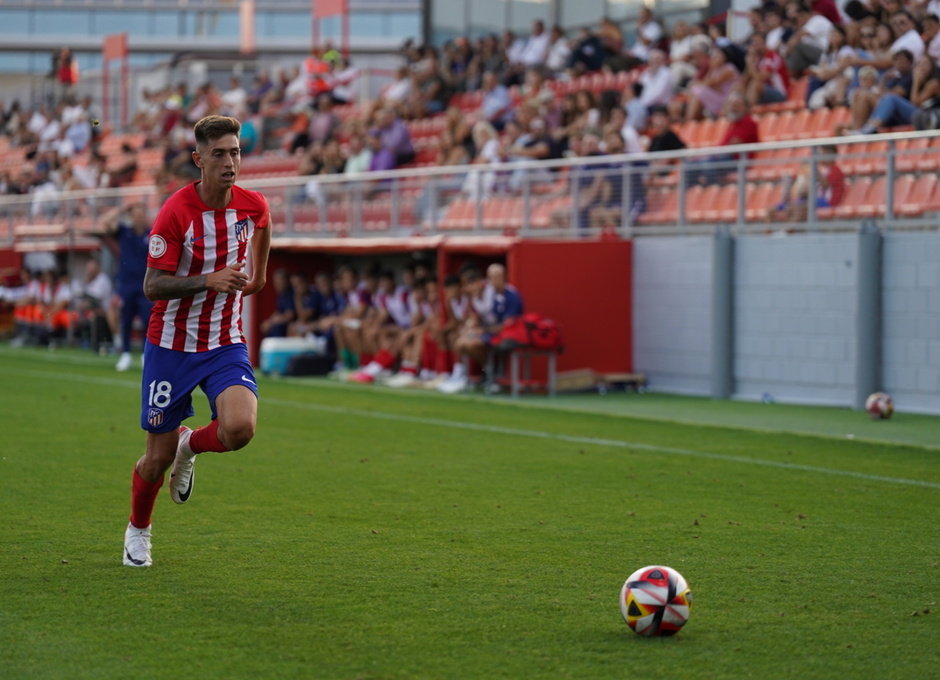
(229, 280)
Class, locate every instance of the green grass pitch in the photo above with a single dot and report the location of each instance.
(369, 534)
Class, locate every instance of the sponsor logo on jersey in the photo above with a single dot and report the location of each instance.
(241, 230)
(155, 417)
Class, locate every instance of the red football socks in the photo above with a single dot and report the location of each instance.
(143, 496)
(207, 439)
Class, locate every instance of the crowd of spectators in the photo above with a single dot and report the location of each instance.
(877, 57)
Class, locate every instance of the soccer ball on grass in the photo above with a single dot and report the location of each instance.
(655, 601)
(879, 406)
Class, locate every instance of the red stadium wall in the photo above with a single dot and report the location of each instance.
(586, 286)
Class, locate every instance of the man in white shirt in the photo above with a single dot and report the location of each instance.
(648, 34)
(536, 47)
(808, 42)
(658, 86)
(559, 52)
(909, 39)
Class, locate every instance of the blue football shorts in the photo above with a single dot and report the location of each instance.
(171, 376)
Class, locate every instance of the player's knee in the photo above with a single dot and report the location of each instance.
(239, 434)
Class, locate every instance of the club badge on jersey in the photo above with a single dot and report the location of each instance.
(241, 231)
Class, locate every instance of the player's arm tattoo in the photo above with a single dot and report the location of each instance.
(163, 285)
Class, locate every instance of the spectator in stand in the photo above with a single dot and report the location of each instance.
(931, 35)
(611, 198)
(777, 34)
(430, 94)
(482, 183)
(830, 188)
(496, 107)
(344, 78)
(742, 130)
(455, 63)
(828, 9)
(559, 51)
(894, 108)
(275, 326)
(898, 81)
(662, 138)
(130, 225)
(611, 40)
(809, 41)
(587, 55)
(488, 57)
(649, 34)
(710, 93)
(680, 54)
(460, 128)
(359, 155)
(529, 141)
(765, 79)
(657, 81)
(534, 53)
(511, 48)
(400, 90)
(829, 82)
(620, 123)
(234, 101)
(394, 136)
(536, 94)
(324, 123)
(908, 34)
(260, 88)
(635, 111)
(206, 102)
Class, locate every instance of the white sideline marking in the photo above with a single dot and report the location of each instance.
(617, 443)
(511, 431)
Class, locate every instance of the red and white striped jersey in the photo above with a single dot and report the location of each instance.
(189, 239)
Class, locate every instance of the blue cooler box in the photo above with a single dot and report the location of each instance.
(276, 352)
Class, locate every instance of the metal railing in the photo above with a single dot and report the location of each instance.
(890, 179)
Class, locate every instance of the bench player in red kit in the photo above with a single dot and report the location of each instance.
(198, 271)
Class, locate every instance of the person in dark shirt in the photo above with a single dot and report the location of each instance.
(275, 326)
(130, 225)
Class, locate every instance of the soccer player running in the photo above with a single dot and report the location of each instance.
(196, 274)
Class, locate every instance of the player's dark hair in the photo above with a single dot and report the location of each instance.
(213, 127)
(387, 274)
(419, 284)
(471, 275)
(451, 280)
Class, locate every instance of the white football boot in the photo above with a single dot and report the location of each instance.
(137, 547)
(183, 474)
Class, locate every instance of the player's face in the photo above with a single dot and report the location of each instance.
(219, 161)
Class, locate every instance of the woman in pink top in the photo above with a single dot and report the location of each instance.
(711, 91)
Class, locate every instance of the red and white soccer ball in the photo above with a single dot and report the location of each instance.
(879, 405)
(655, 601)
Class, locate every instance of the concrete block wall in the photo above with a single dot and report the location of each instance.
(672, 284)
(911, 320)
(795, 317)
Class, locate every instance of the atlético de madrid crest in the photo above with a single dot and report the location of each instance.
(241, 230)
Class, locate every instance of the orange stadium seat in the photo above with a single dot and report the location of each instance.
(921, 198)
(856, 191)
(662, 207)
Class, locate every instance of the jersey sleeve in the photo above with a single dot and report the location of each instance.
(166, 239)
(262, 211)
